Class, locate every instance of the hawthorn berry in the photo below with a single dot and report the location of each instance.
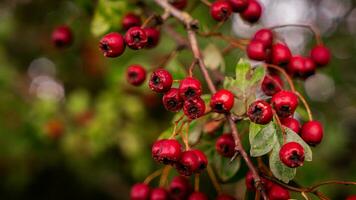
(225, 197)
(159, 194)
(62, 36)
(265, 36)
(225, 145)
(280, 54)
(253, 11)
(194, 108)
(222, 101)
(153, 36)
(191, 161)
(136, 38)
(136, 74)
(202, 160)
(284, 103)
(197, 196)
(292, 154)
(190, 88)
(351, 197)
(301, 67)
(249, 181)
(278, 193)
(320, 55)
(220, 10)
(179, 188)
(161, 81)
(312, 132)
(256, 50)
(166, 151)
(179, 4)
(130, 20)
(140, 191)
(260, 112)
(271, 84)
(238, 5)
(112, 45)
(291, 123)
(172, 101)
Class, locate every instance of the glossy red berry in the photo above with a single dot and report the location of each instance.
(62, 36)
(312, 132)
(253, 11)
(280, 54)
(260, 112)
(220, 10)
(140, 191)
(301, 67)
(130, 20)
(284, 103)
(202, 160)
(159, 194)
(192, 161)
(166, 151)
(112, 45)
(225, 197)
(225, 145)
(320, 55)
(278, 193)
(153, 36)
(271, 84)
(161, 81)
(256, 50)
(136, 74)
(172, 101)
(291, 123)
(179, 188)
(190, 88)
(194, 108)
(136, 38)
(222, 101)
(198, 196)
(238, 5)
(179, 4)
(292, 154)
(249, 181)
(265, 36)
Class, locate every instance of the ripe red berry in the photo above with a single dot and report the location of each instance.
(284, 103)
(265, 36)
(112, 45)
(301, 67)
(172, 101)
(249, 181)
(153, 36)
(253, 11)
(130, 20)
(62, 36)
(225, 197)
(351, 197)
(312, 132)
(161, 81)
(166, 151)
(198, 196)
(238, 5)
(179, 4)
(271, 84)
(278, 193)
(220, 10)
(135, 75)
(256, 50)
(190, 88)
(136, 38)
(320, 55)
(194, 108)
(191, 161)
(140, 191)
(280, 54)
(292, 154)
(179, 188)
(260, 112)
(159, 194)
(291, 123)
(222, 101)
(202, 160)
(225, 145)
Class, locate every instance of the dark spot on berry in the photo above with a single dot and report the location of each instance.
(104, 46)
(257, 111)
(132, 75)
(190, 92)
(225, 148)
(156, 80)
(202, 166)
(219, 107)
(271, 86)
(172, 103)
(295, 157)
(285, 109)
(193, 110)
(176, 191)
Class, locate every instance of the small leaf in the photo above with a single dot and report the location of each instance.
(279, 170)
(223, 168)
(294, 137)
(263, 141)
(213, 58)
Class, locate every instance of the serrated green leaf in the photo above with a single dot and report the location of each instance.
(279, 170)
(223, 168)
(263, 141)
(291, 136)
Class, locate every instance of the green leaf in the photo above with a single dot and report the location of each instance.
(263, 141)
(223, 168)
(294, 137)
(213, 58)
(279, 170)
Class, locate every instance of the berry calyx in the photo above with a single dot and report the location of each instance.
(140, 191)
(225, 197)
(256, 50)
(112, 45)
(312, 132)
(225, 145)
(198, 196)
(222, 101)
(130, 20)
(62, 36)
(153, 36)
(291, 123)
(191, 161)
(253, 11)
(320, 55)
(284, 103)
(172, 101)
(166, 151)
(271, 84)
(220, 10)
(136, 38)
(292, 154)
(301, 67)
(238, 5)
(280, 54)
(159, 194)
(194, 108)
(265, 36)
(260, 112)
(278, 193)
(136, 74)
(161, 81)
(179, 188)
(190, 88)
(179, 4)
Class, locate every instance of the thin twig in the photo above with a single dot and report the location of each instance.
(306, 105)
(152, 176)
(289, 80)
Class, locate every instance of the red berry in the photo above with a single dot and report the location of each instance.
(271, 84)
(136, 38)
(179, 4)
(159, 194)
(238, 5)
(202, 160)
(220, 10)
(172, 101)
(225, 197)
(301, 67)
(198, 196)
(253, 11)
(280, 54)
(320, 55)
(140, 191)
(130, 20)
(161, 81)
(249, 181)
(225, 145)
(312, 132)
(265, 36)
(190, 88)
(292, 154)
(222, 101)
(284, 103)
(278, 193)
(136, 75)
(179, 188)
(351, 197)
(291, 123)
(62, 36)
(260, 112)
(194, 108)
(192, 161)
(153, 36)
(256, 50)
(112, 45)
(166, 151)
